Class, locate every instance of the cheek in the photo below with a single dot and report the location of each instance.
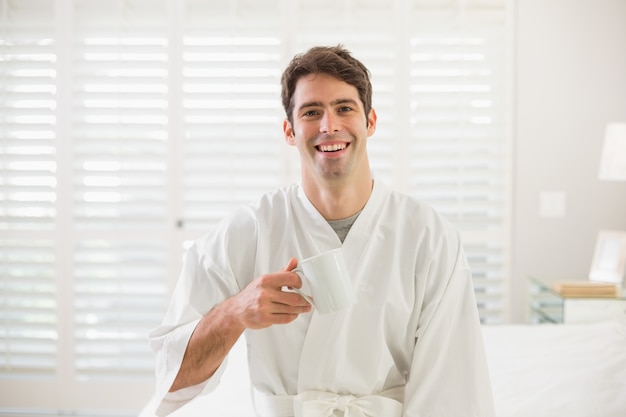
(304, 134)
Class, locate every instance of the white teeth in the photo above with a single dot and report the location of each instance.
(332, 148)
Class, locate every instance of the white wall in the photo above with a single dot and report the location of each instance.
(570, 82)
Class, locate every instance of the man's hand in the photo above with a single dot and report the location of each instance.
(263, 302)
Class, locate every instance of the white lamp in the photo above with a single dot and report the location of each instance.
(613, 160)
(609, 260)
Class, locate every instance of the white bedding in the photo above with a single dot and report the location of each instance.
(554, 370)
(548, 370)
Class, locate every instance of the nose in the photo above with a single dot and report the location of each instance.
(330, 123)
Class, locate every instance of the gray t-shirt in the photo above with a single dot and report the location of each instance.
(342, 226)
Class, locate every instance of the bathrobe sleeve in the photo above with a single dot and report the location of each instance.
(207, 278)
(449, 374)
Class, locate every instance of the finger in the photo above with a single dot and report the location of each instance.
(283, 310)
(293, 262)
(278, 280)
(292, 299)
(282, 307)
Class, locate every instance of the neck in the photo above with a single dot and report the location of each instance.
(338, 201)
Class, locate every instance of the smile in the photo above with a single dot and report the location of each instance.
(332, 148)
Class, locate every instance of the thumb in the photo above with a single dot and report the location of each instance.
(293, 262)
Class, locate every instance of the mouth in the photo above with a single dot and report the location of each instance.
(334, 147)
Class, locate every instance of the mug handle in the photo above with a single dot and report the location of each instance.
(308, 298)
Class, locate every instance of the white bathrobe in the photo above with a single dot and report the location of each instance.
(411, 346)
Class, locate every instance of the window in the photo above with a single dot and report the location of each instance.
(130, 127)
(28, 192)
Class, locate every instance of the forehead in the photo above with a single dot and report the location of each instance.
(323, 89)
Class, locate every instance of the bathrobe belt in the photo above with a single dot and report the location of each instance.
(323, 404)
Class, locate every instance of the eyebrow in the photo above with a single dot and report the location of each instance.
(332, 103)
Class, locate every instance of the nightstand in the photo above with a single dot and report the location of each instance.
(548, 306)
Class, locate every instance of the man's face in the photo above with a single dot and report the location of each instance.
(330, 130)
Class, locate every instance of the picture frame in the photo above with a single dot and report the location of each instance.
(609, 258)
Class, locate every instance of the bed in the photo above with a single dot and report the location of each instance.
(548, 370)
(554, 370)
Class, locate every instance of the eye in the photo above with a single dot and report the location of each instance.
(310, 113)
(344, 109)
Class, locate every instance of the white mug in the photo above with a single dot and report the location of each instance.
(325, 277)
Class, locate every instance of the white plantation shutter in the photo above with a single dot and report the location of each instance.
(119, 295)
(28, 278)
(120, 116)
(459, 148)
(232, 137)
(28, 337)
(129, 127)
(85, 256)
(120, 213)
(119, 129)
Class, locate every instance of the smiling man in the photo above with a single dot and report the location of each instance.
(330, 127)
(410, 346)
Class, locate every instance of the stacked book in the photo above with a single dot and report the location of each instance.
(586, 289)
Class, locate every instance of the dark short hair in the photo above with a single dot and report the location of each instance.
(335, 61)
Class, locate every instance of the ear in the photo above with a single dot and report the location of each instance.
(288, 131)
(371, 122)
